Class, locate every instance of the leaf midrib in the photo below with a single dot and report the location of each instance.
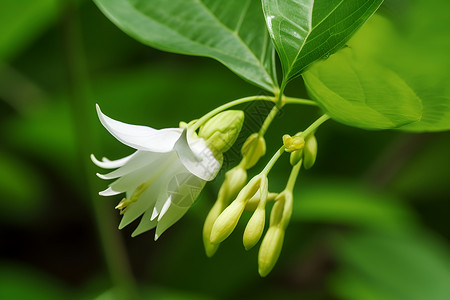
(309, 33)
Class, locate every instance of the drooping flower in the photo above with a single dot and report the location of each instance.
(162, 178)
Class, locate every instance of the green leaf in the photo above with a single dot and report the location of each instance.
(305, 31)
(21, 22)
(384, 80)
(231, 32)
(355, 91)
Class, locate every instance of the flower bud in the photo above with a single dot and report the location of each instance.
(255, 226)
(226, 222)
(273, 240)
(282, 209)
(254, 229)
(293, 143)
(295, 157)
(270, 250)
(228, 219)
(222, 130)
(253, 149)
(215, 211)
(252, 204)
(235, 180)
(310, 151)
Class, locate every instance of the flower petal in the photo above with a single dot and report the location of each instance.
(197, 157)
(158, 173)
(144, 203)
(155, 169)
(178, 170)
(145, 224)
(172, 214)
(140, 159)
(184, 189)
(141, 137)
(109, 192)
(110, 164)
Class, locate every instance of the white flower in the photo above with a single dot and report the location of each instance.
(162, 178)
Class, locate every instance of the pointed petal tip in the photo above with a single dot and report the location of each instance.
(97, 108)
(101, 176)
(95, 160)
(156, 237)
(109, 192)
(165, 208)
(154, 214)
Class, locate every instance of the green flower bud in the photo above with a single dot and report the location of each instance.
(255, 226)
(293, 143)
(295, 157)
(226, 222)
(270, 250)
(228, 219)
(253, 149)
(235, 180)
(222, 130)
(252, 204)
(215, 211)
(273, 240)
(282, 209)
(254, 229)
(310, 151)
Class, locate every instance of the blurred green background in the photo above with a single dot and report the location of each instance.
(370, 219)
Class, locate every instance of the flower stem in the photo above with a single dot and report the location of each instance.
(273, 113)
(292, 100)
(313, 126)
(217, 110)
(273, 160)
(293, 176)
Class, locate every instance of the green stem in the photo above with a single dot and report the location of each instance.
(293, 176)
(212, 113)
(273, 160)
(292, 100)
(313, 126)
(111, 243)
(268, 120)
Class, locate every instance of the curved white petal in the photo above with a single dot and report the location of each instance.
(141, 137)
(139, 160)
(197, 157)
(109, 192)
(110, 164)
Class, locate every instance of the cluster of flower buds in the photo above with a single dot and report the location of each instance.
(237, 195)
(170, 167)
